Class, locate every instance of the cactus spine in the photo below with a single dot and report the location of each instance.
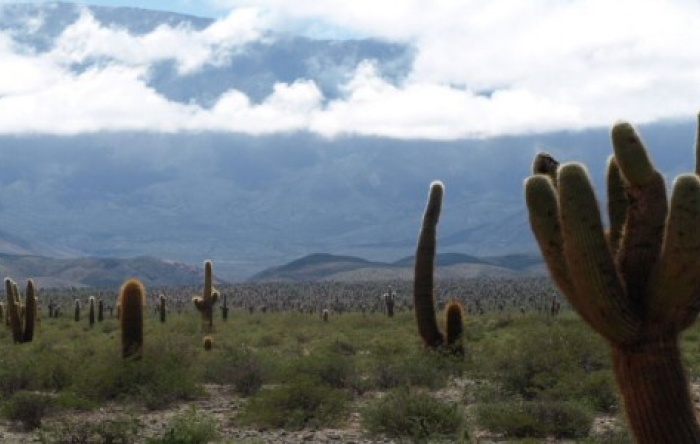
(205, 303)
(636, 285)
(424, 267)
(131, 300)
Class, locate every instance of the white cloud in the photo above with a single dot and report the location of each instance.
(482, 68)
(87, 40)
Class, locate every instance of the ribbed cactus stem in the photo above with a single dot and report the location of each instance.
(423, 299)
(30, 312)
(131, 300)
(654, 388)
(13, 310)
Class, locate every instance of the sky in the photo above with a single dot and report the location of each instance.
(482, 68)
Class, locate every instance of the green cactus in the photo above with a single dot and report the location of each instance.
(76, 311)
(132, 297)
(208, 342)
(424, 267)
(205, 303)
(636, 285)
(22, 318)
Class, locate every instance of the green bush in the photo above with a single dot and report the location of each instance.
(422, 368)
(413, 414)
(296, 405)
(27, 408)
(188, 427)
(235, 366)
(551, 362)
(538, 419)
(164, 375)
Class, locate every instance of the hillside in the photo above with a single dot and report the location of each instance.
(97, 272)
(328, 267)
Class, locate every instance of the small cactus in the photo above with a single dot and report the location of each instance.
(636, 284)
(132, 297)
(76, 311)
(100, 311)
(424, 267)
(205, 303)
(389, 303)
(224, 307)
(208, 342)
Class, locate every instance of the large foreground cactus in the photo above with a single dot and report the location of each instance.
(638, 284)
(22, 318)
(423, 282)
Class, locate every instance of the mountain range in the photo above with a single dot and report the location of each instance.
(251, 203)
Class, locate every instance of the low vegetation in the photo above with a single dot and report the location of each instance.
(525, 373)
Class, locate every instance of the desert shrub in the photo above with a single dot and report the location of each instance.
(332, 370)
(119, 429)
(236, 366)
(555, 361)
(164, 375)
(412, 414)
(17, 372)
(422, 368)
(296, 405)
(539, 419)
(27, 408)
(188, 427)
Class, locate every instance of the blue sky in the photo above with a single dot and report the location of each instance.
(546, 64)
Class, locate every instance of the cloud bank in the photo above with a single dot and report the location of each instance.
(482, 68)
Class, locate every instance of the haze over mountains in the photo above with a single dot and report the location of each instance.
(250, 202)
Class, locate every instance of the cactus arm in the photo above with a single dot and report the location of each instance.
(423, 299)
(599, 292)
(547, 165)
(617, 204)
(541, 200)
(676, 280)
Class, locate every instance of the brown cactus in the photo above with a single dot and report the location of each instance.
(132, 297)
(423, 299)
(638, 285)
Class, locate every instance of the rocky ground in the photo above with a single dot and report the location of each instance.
(222, 405)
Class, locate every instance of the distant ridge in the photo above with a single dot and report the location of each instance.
(97, 272)
(329, 267)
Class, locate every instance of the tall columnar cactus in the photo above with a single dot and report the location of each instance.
(76, 311)
(132, 297)
(91, 311)
(100, 311)
(224, 307)
(13, 310)
(389, 303)
(423, 299)
(30, 312)
(637, 285)
(161, 307)
(205, 303)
